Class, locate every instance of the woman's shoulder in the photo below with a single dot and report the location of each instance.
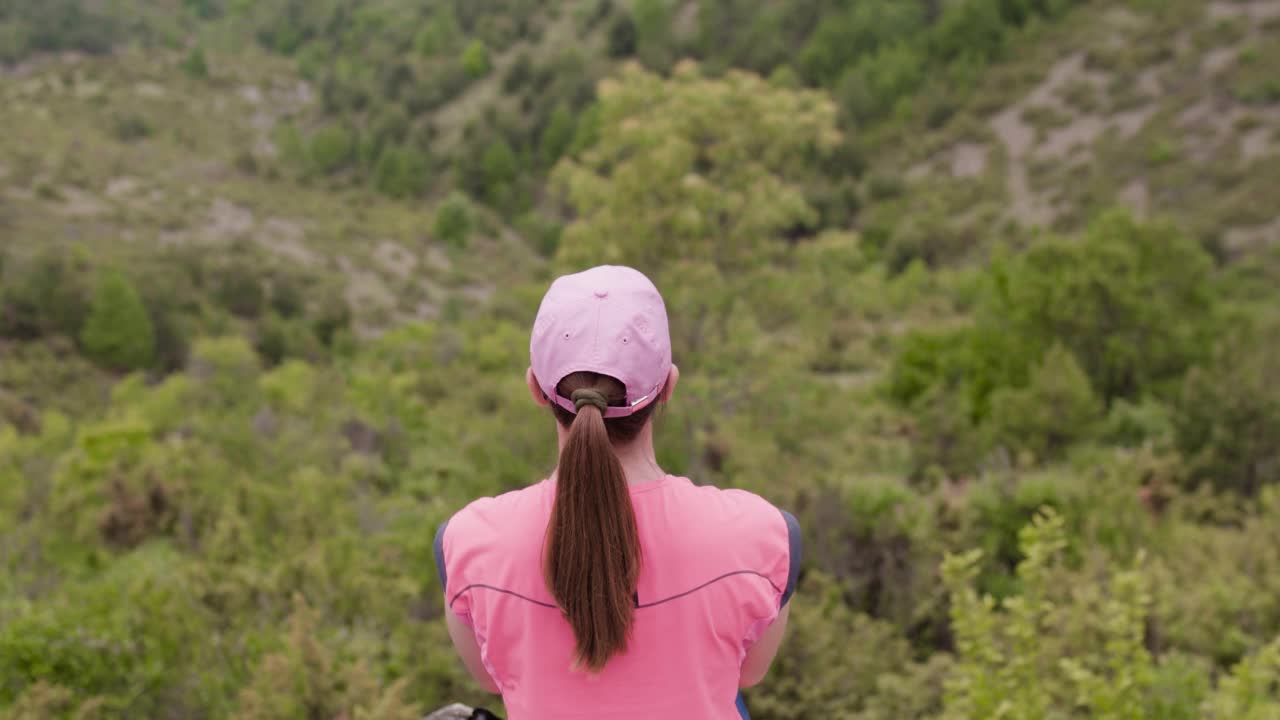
(742, 503)
(733, 510)
(497, 516)
(745, 528)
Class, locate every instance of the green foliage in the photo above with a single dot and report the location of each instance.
(652, 20)
(195, 64)
(1131, 301)
(1056, 409)
(500, 168)
(118, 331)
(306, 680)
(816, 673)
(122, 635)
(684, 197)
(239, 289)
(1252, 690)
(131, 127)
(46, 295)
(453, 222)
(475, 59)
(1130, 304)
(56, 26)
(1229, 411)
(973, 28)
(239, 532)
(558, 135)
(1053, 650)
(870, 88)
(438, 34)
(330, 149)
(622, 36)
(401, 172)
(841, 39)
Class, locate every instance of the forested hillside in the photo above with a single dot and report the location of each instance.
(986, 291)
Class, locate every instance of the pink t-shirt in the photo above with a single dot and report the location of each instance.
(718, 565)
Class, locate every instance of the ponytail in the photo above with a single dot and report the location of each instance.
(592, 556)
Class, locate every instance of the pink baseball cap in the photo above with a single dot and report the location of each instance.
(608, 320)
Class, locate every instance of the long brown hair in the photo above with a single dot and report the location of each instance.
(592, 556)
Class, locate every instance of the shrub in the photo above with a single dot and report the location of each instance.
(125, 633)
(307, 679)
(453, 220)
(1228, 415)
(43, 296)
(1251, 691)
(622, 36)
(1056, 409)
(871, 88)
(195, 64)
(475, 59)
(500, 168)
(130, 127)
(972, 28)
(1053, 648)
(118, 332)
(239, 289)
(330, 149)
(401, 172)
(438, 34)
(814, 673)
(558, 134)
(1131, 302)
(519, 75)
(842, 38)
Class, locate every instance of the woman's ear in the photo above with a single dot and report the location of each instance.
(535, 389)
(673, 376)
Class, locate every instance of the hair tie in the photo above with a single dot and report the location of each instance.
(589, 396)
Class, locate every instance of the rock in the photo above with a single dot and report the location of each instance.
(456, 711)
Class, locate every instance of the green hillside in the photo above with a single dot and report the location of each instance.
(986, 291)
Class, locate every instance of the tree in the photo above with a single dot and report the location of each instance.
(1054, 410)
(453, 220)
(1228, 415)
(974, 29)
(558, 134)
(401, 172)
(475, 59)
(330, 149)
(841, 39)
(118, 331)
(439, 33)
(622, 36)
(45, 295)
(870, 89)
(500, 168)
(1048, 649)
(1130, 300)
(653, 32)
(692, 168)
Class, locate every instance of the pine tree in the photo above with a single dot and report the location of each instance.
(118, 332)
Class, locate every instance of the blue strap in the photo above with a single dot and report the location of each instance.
(741, 704)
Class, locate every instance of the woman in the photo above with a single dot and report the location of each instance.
(612, 589)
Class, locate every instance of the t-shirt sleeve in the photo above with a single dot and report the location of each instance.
(774, 548)
(446, 556)
(437, 549)
(795, 553)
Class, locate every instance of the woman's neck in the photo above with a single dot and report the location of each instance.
(639, 463)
